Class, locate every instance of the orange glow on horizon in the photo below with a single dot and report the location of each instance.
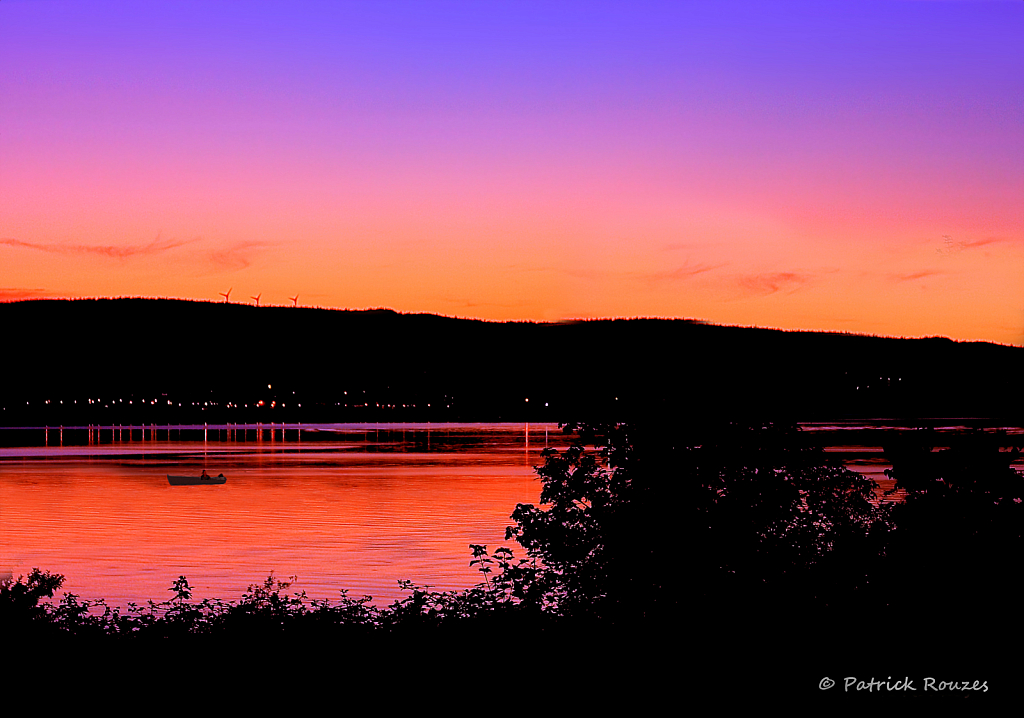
(540, 166)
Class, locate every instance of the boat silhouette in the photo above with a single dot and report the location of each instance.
(195, 480)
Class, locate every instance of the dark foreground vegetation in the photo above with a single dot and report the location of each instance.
(734, 557)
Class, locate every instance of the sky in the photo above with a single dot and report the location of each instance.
(837, 166)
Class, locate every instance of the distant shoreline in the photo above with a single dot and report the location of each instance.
(141, 362)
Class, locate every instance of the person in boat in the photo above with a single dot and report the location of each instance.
(205, 475)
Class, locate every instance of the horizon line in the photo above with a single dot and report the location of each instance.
(564, 320)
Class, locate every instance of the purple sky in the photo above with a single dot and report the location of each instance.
(840, 166)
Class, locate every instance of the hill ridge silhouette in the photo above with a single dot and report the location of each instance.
(182, 351)
(567, 320)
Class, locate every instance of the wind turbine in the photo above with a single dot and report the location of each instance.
(295, 300)
(226, 295)
(257, 298)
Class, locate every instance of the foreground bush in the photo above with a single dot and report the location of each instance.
(746, 524)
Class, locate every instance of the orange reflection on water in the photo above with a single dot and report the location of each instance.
(337, 519)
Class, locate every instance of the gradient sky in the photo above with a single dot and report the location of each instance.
(848, 166)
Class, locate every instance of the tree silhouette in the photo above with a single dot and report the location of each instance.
(959, 535)
(657, 515)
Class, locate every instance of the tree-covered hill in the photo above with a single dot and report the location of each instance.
(137, 360)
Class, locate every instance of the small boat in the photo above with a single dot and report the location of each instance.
(195, 480)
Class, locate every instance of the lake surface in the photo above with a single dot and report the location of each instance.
(338, 506)
(355, 507)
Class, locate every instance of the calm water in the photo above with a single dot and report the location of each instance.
(356, 507)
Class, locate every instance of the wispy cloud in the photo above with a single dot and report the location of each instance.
(682, 272)
(951, 247)
(235, 257)
(983, 242)
(768, 283)
(685, 271)
(14, 294)
(226, 259)
(914, 276)
(113, 251)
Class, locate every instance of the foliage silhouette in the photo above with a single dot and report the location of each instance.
(959, 538)
(19, 599)
(738, 533)
(601, 546)
(767, 517)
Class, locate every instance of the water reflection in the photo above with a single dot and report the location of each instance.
(403, 434)
(859, 445)
(357, 507)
